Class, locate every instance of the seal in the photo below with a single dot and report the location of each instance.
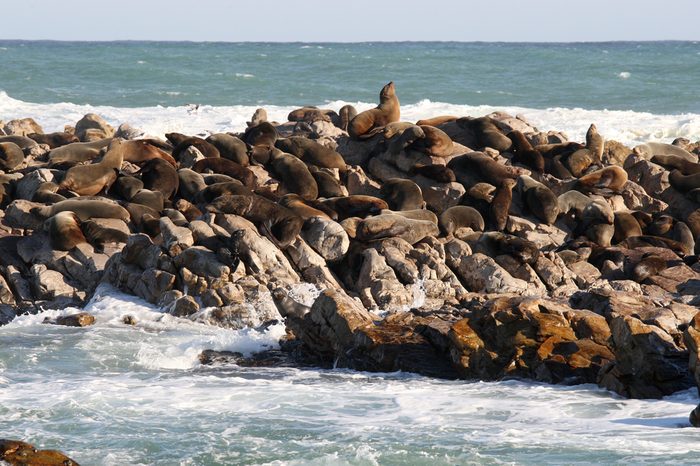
(435, 142)
(226, 167)
(439, 173)
(650, 149)
(391, 226)
(311, 114)
(474, 167)
(539, 199)
(556, 168)
(296, 204)
(215, 190)
(190, 183)
(126, 186)
(366, 124)
(262, 138)
(230, 147)
(77, 152)
(479, 196)
(549, 151)
(613, 178)
(524, 153)
(678, 163)
(139, 151)
(152, 199)
(460, 216)
(280, 224)
(11, 156)
(89, 180)
(681, 232)
(24, 143)
(140, 215)
(500, 205)
(416, 214)
(573, 200)
(401, 194)
(159, 175)
(104, 231)
(485, 132)
(595, 143)
(189, 210)
(660, 225)
(684, 183)
(647, 266)
(496, 243)
(46, 193)
(208, 150)
(259, 116)
(402, 138)
(213, 178)
(328, 186)
(346, 113)
(626, 226)
(578, 162)
(294, 174)
(54, 140)
(356, 205)
(437, 121)
(85, 208)
(312, 152)
(64, 231)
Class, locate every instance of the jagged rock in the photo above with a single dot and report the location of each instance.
(95, 122)
(18, 453)
(184, 307)
(126, 131)
(691, 337)
(358, 182)
(378, 286)
(22, 127)
(311, 265)
(81, 319)
(51, 285)
(19, 215)
(326, 237)
(152, 283)
(615, 153)
(190, 156)
(585, 273)
(28, 184)
(175, 239)
(201, 262)
(482, 274)
(439, 196)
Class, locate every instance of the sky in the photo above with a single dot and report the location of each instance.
(353, 20)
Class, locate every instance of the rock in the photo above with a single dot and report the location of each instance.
(694, 417)
(152, 283)
(81, 319)
(92, 121)
(19, 215)
(22, 127)
(51, 285)
(24, 454)
(378, 286)
(358, 182)
(439, 196)
(311, 265)
(481, 273)
(126, 131)
(184, 307)
(190, 156)
(29, 183)
(175, 239)
(326, 237)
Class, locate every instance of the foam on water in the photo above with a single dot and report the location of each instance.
(629, 127)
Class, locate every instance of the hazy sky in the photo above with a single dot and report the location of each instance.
(353, 20)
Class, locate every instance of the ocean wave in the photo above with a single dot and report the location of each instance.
(626, 126)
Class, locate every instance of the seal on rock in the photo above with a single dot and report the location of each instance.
(89, 180)
(540, 199)
(346, 113)
(612, 178)
(460, 216)
(476, 166)
(312, 152)
(328, 186)
(294, 174)
(159, 175)
(625, 226)
(64, 231)
(486, 133)
(369, 122)
(77, 152)
(85, 209)
(684, 183)
(524, 153)
(650, 149)
(230, 147)
(356, 205)
(439, 173)
(226, 167)
(54, 140)
(11, 156)
(500, 205)
(401, 194)
(435, 142)
(595, 143)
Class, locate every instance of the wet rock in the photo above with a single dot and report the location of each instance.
(175, 239)
(184, 307)
(482, 274)
(22, 127)
(81, 319)
(51, 285)
(326, 237)
(101, 129)
(18, 453)
(378, 286)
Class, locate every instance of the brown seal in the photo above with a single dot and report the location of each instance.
(11, 156)
(650, 149)
(312, 152)
(401, 194)
(280, 224)
(369, 122)
(47, 193)
(152, 199)
(102, 231)
(328, 186)
(500, 206)
(399, 138)
(346, 113)
(226, 167)
(139, 151)
(230, 147)
(311, 114)
(126, 186)
(540, 200)
(85, 208)
(89, 180)
(460, 216)
(485, 132)
(77, 152)
(436, 121)
(578, 162)
(207, 149)
(595, 143)
(54, 140)
(64, 231)
(496, 243)
(524, 153)
(612, 177)
(684, 183)
(679, 163)
(158, 175)
(356, 205)
(190, 183)
(439, 173)
(476, 166)
(294, 174)
(625, 226)
(435, 142)
(296, 204)
(215, 190)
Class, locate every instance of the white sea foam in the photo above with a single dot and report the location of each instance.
(629, 127)
(624, 75)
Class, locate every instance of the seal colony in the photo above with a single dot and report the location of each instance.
(470, 246)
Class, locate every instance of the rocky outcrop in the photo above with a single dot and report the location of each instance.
(18, 453)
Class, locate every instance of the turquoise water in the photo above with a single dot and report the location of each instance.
(656, 77)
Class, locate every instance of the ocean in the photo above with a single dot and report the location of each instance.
(113, 394)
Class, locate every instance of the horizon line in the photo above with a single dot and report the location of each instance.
(356, 42)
